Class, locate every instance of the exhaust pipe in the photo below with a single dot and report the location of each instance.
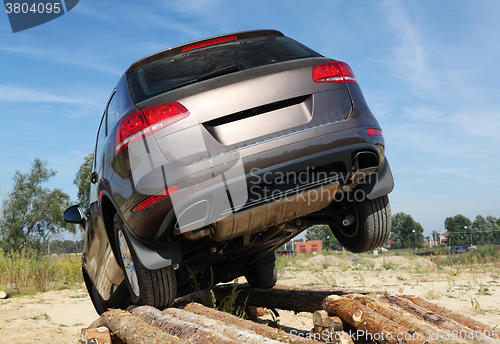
(349, 220)
(365, 163)
(198, 233)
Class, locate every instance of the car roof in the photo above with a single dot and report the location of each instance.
(178, 49)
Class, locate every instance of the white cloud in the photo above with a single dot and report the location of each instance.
(172, 16)
(23, 94)
(58, 56)
(410, 58)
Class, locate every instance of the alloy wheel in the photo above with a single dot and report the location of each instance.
(128, 263)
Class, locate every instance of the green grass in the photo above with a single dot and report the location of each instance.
(326, 278)
(208, 299)
(488, 254)
(31, 273)
(287, 262)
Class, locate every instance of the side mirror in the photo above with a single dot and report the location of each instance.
(74, 214)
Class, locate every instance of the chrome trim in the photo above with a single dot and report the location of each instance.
(268, 140)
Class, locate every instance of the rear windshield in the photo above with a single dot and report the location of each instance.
(185, 68)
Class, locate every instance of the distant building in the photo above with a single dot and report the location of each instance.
(389, 243)
(444, 238)
(309, 246)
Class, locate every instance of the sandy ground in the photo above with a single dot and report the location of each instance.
(59, 316)
(50, 317)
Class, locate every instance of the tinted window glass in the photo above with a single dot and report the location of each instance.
(112, 117)
(173, 71)
(101, 137)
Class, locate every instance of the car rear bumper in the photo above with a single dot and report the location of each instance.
(222, 186)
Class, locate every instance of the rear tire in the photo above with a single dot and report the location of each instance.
(262, 277)
(371, 228)
(157, 288)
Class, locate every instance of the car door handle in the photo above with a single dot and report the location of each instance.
(94, 177)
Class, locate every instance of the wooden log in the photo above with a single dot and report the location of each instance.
(331, 291)
(367, 322)
(328, 328)
(98, 335)
(297, 299)
(231, 320)
(6, 293)
(461, 319)
(309, 300)
(321, 318)
(449, 326)
(323, 334)
(256, 312)
(400, 317)
(336, 323)
(190, 332)
(182, 301)
(411, 308)
(236, 333)
(134, 330)
(293, 300)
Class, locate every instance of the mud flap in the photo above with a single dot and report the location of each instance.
(380, 183)
(155, 257)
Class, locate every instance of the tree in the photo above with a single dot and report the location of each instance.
(82, 180)
(31, 213)
(323, 233)
(481, 232)
(458, 226)
(406, 232)
(496, 232)
(2, 195)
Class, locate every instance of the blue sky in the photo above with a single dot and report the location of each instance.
(428, 69)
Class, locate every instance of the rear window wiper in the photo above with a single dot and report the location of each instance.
(214, 74)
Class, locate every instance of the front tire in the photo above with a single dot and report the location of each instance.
(371, 228)
(157, 288)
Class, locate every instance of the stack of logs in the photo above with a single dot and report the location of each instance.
(339, 316)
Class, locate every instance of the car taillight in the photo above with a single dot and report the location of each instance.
(372, 131)
(209, 42)
(140, 124)
(333, 71)
(163, 115)
(132, 128)
(155, 198)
